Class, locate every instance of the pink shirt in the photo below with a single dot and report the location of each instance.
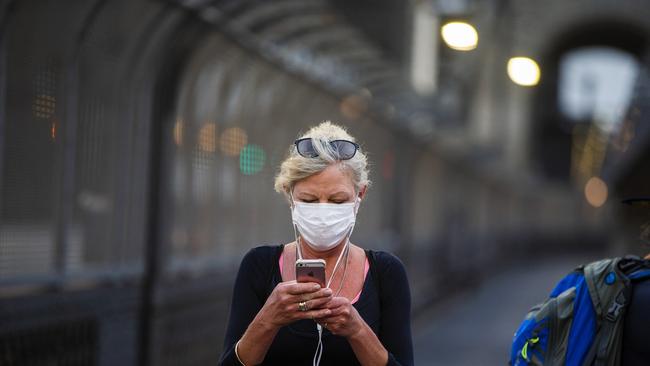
(365, 273)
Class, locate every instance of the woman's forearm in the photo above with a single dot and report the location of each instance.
(367, 347)
(256, 341)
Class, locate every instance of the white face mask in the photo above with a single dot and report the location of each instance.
(324, 225)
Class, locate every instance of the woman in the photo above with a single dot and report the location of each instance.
(362, 316)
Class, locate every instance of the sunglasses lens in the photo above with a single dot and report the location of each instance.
(345, 149)
(306, 149)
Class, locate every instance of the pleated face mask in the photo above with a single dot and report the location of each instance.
(324, 225)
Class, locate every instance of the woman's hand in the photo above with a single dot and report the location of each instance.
(282, 307)
(344, 320)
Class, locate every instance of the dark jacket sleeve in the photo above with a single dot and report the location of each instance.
(249, 295)
(395, 297)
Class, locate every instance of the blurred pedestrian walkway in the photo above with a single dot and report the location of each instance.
(475, 327)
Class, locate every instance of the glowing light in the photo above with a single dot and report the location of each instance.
(596, 192)
(523, 71)
(460, 36)
(232, 140)
(388, 165)
(53, 130)
(178, 132)
(353, 106)
(251, 159)
(207, 137)
(44, 106)
(424, 50)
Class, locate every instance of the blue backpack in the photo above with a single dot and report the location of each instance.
(581, 322)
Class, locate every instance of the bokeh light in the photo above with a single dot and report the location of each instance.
(460, 36)
(178, 132)
(523, 71)
(353, 106)
(251, 159)
(207, 137)
(44, 106)
(596, 192)
(232, 140)
(53, 129)
(388, 165)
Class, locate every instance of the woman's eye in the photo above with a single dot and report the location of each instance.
(308, 201)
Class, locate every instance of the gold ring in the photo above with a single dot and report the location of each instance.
(302, 306)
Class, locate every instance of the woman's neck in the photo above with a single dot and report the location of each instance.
(330, 256)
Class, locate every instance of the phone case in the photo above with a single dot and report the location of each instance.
(311, 271)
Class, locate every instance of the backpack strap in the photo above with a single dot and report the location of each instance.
(639, 270)
(605, 281)
(609, 286)
(641, 275)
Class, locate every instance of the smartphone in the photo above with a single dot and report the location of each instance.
(311, 270)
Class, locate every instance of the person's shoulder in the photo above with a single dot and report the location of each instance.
(265, 250)
(387, 261)
(385, 257)
(391, 273)
(261, 255)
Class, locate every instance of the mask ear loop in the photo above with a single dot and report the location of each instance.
(357, 205)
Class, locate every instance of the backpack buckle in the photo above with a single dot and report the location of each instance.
(615, 310)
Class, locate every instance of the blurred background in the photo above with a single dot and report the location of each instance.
(139, 140)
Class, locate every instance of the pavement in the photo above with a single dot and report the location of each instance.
(475, 327)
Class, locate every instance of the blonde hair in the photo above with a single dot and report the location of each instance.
(296, 167)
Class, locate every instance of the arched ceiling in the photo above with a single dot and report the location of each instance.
(314, 39)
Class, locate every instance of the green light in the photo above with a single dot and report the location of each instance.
(251, 159)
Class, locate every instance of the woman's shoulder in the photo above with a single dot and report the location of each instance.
(389, 273)
(385, 261)
(385, 258)
(263, 250)
(261, 255)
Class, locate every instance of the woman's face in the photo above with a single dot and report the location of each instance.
(332, 185)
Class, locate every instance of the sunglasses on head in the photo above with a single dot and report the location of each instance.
(343, 149)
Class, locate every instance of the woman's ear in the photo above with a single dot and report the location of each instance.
(362, 192)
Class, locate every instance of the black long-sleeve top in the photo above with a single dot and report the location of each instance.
(636, 329)
(385, 305)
